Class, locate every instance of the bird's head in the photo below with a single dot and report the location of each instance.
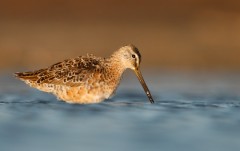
(130, 57)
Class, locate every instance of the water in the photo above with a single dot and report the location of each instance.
(192, 112)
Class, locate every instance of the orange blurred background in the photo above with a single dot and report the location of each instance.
(174, 34)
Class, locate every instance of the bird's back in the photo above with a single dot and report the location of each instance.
(68, 72)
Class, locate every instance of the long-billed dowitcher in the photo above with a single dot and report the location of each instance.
(87, 79)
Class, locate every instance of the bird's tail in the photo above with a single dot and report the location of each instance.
(31, 78)
(26, 76)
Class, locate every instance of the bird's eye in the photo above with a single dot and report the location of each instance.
(133, 56)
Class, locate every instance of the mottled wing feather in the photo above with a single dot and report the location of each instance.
(70, 72)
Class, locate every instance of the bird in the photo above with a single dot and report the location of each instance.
(87, 79)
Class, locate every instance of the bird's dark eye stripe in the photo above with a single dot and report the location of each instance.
(133, 56)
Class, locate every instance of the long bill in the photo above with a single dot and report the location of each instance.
(141, 80)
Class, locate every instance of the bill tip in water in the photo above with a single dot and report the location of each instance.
(150, 97)
(151, 100)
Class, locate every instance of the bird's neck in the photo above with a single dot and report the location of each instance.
(116, 65)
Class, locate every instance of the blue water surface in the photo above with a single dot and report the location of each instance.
(192, 112)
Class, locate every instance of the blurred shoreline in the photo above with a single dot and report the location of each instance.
(175, 35)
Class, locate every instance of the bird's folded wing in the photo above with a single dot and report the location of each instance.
(71, 72)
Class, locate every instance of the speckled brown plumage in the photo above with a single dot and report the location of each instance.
(85, 79)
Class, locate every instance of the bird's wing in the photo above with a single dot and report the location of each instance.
(70, 72)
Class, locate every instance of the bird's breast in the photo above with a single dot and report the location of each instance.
(94, 90)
